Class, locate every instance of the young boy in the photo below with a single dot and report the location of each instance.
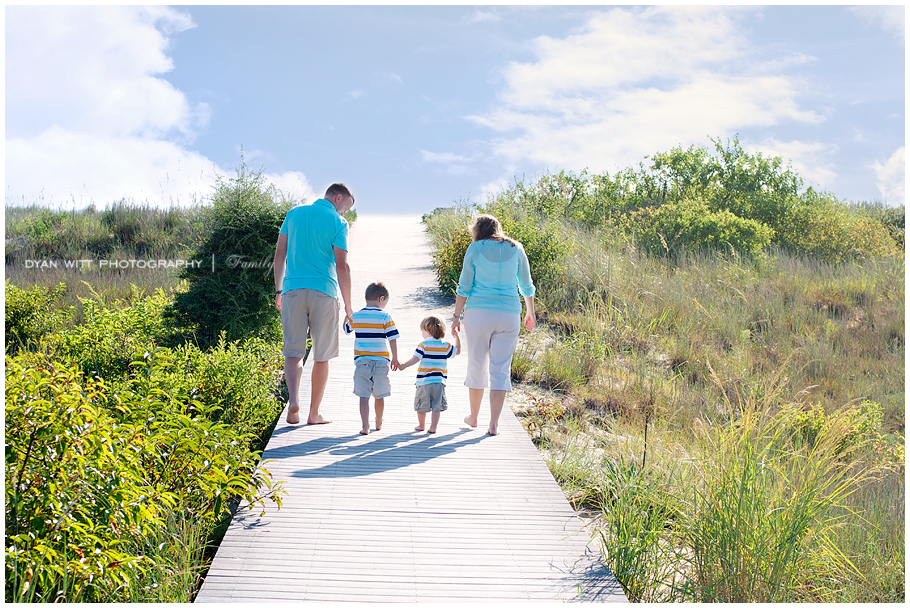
(374, 336)
(431, 375)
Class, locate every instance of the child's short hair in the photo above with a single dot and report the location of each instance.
(434, 326)
(374, 290)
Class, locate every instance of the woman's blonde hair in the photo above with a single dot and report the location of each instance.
(485, 227)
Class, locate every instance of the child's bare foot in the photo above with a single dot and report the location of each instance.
(469, 422)
(293, 414)
(419, 427)
(318, 420)
(431, 430)
(365, 432)
(379, 424)
(493, 430)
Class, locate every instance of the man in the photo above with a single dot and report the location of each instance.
(313, 240)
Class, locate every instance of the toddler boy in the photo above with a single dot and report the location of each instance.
(433, 353)
(374, 336)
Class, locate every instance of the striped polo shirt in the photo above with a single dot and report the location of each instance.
(433, 354)
(372, 329)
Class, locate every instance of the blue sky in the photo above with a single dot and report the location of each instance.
(418, 107)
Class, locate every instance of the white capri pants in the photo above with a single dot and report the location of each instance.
(492, 336)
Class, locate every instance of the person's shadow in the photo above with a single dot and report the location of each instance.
(369, 457)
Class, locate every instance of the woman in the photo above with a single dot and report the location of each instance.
(493, 266)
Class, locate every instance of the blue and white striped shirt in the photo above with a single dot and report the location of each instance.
(372, 328)
(433, 354)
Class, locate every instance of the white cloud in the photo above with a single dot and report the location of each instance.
(891, 176)
(393, 76)
(88, 117)
(93, 69)
(356, 94)
(479, 16)
(634, 81)
(63, 168)
(454, 164)
(812, 160)
(889, 18)
(293, 183)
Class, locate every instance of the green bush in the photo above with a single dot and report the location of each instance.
(238, 382)
(822, 227)
(112, 337)
(233, 289)
(542, 240)
(88, 486)
(30, 315)
(691, 225)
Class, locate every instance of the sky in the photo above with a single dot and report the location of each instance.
(418, 107)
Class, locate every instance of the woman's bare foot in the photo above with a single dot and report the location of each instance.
(493, 430)
(419, 427)
(467, 420)
(319, 420)
(294, 414)
(431, 430)
(365, 432)
(379, 424)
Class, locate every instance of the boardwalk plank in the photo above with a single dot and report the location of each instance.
(401, 515)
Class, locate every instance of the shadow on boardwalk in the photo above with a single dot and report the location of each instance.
(376, 456)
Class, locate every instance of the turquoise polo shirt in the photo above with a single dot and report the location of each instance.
(313, 231)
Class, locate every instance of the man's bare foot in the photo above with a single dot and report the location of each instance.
(319, 420)
(293, 414)
(467, 420)
(366, 432)
(419, 427)
(493, 430)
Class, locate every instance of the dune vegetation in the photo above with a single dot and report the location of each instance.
(717, 381)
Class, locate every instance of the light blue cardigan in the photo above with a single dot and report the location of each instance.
(490, 273)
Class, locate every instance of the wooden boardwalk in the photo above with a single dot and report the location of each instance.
(401, 515)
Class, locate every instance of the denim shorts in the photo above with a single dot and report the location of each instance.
(371, 377)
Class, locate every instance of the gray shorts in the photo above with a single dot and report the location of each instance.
(431, 398)
(371, 377)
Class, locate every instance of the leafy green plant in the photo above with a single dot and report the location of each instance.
(87, 486)
(231, 283)
(692, 225)
(30, 315)
(113, 336)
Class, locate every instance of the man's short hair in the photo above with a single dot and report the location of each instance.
(335, 189)
(374, 290)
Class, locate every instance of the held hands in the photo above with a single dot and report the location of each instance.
(395, 365)
(456, 325)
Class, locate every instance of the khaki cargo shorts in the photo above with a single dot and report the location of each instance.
(431, 398)
(309, 309)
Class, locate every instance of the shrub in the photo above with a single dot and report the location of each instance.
(233, 289)
(238, 382)
(30, 315)
(87, 487)
(670, 228)
(112, 337)
(822, 227)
